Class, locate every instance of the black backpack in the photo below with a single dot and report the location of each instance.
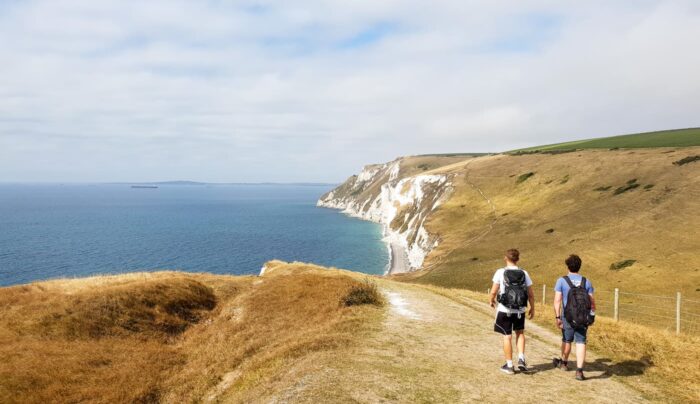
(515, 294)
(578, 305)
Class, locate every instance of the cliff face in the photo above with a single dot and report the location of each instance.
(400, 195)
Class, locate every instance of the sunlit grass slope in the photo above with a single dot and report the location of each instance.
(170, 336)
(632, 215)
(665, 138)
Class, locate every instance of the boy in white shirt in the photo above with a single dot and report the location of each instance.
(512, 289)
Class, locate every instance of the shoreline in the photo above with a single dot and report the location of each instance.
(398, 254)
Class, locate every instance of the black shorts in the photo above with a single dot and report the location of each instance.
(507, 323)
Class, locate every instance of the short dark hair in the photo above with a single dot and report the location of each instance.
(513, 255)
(573, 263)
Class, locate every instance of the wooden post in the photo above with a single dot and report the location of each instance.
(678, 313)
(616, 306)
(544, 295)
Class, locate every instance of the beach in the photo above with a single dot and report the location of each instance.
(399, 259)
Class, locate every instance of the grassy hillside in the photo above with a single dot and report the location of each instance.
(170, 337)
(631, 215)
(667, 138)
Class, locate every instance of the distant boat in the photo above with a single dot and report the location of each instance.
(144, 186)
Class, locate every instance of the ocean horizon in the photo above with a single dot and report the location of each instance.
(74, 230)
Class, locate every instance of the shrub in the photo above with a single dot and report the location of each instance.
(631, 184)
(565, 179)
(365, 292)
(616, 266)
(549, 231)
(686, 160)
(649, 186)
(603, 189)
(524, 177)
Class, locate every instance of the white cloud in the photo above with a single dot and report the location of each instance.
(270, 91)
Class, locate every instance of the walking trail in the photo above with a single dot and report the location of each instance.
(431, 348)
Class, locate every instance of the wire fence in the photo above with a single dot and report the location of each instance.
(672, 313)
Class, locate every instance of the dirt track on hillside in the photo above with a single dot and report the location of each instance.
(430, 348)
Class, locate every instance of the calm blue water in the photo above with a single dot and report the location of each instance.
(49, 231)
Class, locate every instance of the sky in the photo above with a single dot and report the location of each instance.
(310, 91)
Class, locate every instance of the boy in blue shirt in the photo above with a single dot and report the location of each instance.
(569, 333)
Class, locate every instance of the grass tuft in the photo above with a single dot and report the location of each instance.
(616, 266)
(524, 177)
(631, 184)
(363, 293)
(687, 160)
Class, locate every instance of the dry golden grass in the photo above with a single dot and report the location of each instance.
(170, 337)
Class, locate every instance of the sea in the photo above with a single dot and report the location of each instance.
(66, 231)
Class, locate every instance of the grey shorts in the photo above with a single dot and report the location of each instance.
(571, 334)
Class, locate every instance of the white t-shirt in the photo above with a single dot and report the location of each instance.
(498, 278)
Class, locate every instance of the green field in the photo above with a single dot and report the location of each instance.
(665, 138)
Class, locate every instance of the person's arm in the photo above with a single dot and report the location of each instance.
(557, 307)
(494, 292)
(531, 300)
(592, 301)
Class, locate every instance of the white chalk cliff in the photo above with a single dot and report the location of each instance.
(400, 203)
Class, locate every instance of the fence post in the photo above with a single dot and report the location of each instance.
(616, 307)
(678, 313)
(544, 295)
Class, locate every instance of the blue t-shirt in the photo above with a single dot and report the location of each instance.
(563, 287)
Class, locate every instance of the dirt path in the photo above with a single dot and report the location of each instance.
(488, 201)
(430, 348)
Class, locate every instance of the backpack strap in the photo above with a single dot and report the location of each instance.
(583, 282)
(568, 281)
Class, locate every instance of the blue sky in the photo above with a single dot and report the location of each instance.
(312, 90)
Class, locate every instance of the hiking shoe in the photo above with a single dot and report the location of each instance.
(522, 365)
(558, 363)
(507, 369)
(580, 376)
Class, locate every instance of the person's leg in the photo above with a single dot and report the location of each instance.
(508, 348)
(580, 339)
(520, 342)
(565, 351)
(504, 326)
(580, 354)
(567, 336)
